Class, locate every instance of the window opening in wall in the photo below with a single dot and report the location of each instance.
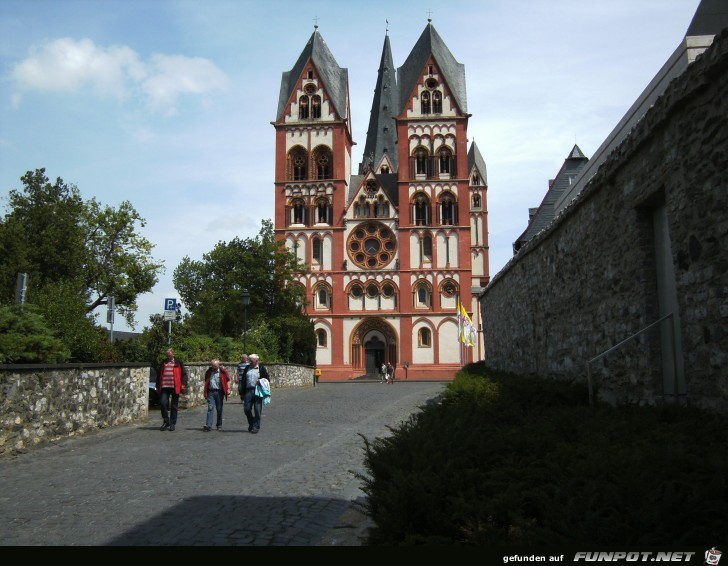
(372, 290)
(424, 339)
(323, 297)
(445, 157)
(422, 210)
(437, 102)
(317, 251)
(321, 338)
(356, 291)
(298, 210)
(427, 248)
(476, 200)
(316, 107)
(447, 210)
(425, 103)
(303, 108)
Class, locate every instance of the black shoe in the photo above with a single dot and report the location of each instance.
(171, 427)
(250, 428)
(165, 426)
(219, 429)
(206, 428)
(255, 430)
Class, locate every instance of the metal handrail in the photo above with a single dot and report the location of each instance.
(633, 336)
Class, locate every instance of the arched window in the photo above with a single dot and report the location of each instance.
(427, 248)
(425, 107)
(423, 295)
(323, 211)
(381, 208)
(448, 211)
(317, 251)
(322, 156)
(422, 210)
(321, 338)
(303, 108)
(424, 338)
(476, 179)
(421, 161)
(297, 158)
(445, 158)
(437, 102)
(298, 211)
(316, 107)
(322, 296)
(476, 200)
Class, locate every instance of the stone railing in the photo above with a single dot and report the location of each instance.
(41, 403)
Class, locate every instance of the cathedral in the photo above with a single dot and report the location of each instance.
(395, 246)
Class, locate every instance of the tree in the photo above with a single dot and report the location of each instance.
(212, 291)
(25, 338)
(52, 234)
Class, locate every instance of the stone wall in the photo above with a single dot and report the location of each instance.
(41, 403)
(589, 280)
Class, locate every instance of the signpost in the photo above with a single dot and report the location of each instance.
(170, 312)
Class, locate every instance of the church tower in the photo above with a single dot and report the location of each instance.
(393, 248)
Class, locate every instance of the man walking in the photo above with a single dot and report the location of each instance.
(252, 405)
(171, 383)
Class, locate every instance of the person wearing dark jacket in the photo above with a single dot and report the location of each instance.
(252, 405)
(171, 383)
(217, 388)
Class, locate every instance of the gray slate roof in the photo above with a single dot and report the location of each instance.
(710, 18)
(335, 79)
(476, 160)
(382, 133)
(452, 71)
(545, 213)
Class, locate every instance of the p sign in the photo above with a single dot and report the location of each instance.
(170, 304)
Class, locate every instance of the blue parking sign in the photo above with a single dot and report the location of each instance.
(170, 304)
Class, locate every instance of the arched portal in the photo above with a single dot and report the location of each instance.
(374, 342)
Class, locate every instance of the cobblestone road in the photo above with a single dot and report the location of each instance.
(133, 485)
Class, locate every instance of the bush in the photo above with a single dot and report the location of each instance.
(509, 460)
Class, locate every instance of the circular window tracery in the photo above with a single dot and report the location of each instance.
(371, 245)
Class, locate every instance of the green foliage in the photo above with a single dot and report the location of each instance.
(55, 236)
(211, 289)
(25, 338)
(526, 461)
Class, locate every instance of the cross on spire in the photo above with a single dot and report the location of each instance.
(316, 19)
(429, 15)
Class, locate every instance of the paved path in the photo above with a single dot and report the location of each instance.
(290, 485)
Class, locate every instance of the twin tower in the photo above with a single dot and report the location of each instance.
(396, 245)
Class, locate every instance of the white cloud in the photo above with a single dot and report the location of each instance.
(69, 65)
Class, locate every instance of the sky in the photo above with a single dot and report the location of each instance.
(168, 104)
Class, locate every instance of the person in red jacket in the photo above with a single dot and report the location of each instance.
(171, 383)
(217, 387)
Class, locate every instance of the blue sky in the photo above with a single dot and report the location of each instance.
(168, 103)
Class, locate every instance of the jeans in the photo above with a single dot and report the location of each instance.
(169, 416)
(215, 399)
(253, 408)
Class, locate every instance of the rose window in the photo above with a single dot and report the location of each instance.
(371, 245)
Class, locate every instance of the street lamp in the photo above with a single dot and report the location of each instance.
(246, 302)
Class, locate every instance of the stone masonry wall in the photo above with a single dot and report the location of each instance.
(41, 403)
(588, 281)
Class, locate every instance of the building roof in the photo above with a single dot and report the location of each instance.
(335, 79)
(710, 18)
(476, 160)
(382, 133)
(453, 72)
(545, 213)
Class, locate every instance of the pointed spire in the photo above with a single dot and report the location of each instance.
(334, 78)
(382, 134)
(430, 43)
(576, 153)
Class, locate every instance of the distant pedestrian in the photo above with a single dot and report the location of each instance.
(390, 371)
(252, 405)
(171, 383)
(217, 389)
(239, 381)
(383, 372)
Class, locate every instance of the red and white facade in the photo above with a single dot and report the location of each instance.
(392, 247)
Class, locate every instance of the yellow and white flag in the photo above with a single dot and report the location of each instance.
(466, 331)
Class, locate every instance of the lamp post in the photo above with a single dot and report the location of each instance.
(246, 302)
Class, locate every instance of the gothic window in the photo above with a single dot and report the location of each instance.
(322, 295)
(371, 245)
(437, 102)
(322, 156)
(317, 251)
(372, 291)
(381, 208)
(476, 200)
(310, 74)
(388, 290)
(448, 212)
(422, 210)
(356, 291)
(445, 158)
(423, 295)
(427, 248)
(297, 158)
(421, 161)
(424, 338)
(425, 107)
(303, 108)
(476, 179)
(323, 211)
(316, 107)
(321, 338)
(385, 169)
(298, 211)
